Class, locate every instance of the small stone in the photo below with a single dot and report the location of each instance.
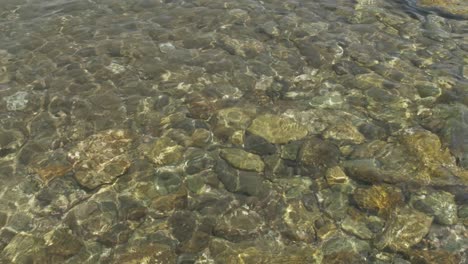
(270, 28)
(439, 204)
(116, 68)
(166, 47)
(17, 101)
(277, 129)
(405, 228)
(243, 160)
(336, 175)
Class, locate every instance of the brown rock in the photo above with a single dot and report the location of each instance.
(379, 198)
(101, 158)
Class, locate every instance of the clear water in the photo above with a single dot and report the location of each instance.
(210, 131)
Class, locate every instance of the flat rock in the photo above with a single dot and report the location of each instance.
(243, 160)
(454, 7)
(405, 228)
(165, 151)
(439, 204)
(101, 158)
(277, 129)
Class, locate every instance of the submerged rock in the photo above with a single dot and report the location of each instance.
(61, 242)
(165, 151)
(341, 247)
(24, 248)
(244, 182)
(17, 101)
(379, 198)
(434, 256)
(262, 251)
(299, 222)
(345, 133)
(243, 160)
(319, 153)
(239, 224)
(101, 158)
(453, 7)
(405, 228)
(439, 204)
(51, 166)
(277, 129)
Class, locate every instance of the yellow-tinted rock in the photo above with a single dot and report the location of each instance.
(51, 166)
(101, 158)
(405, 228)
(344, 132)
(434, 256)
(379, 198)
(277, 129)
(300, 222)
(336, 175)
(165, 151)
(243, 160)
(456, 7)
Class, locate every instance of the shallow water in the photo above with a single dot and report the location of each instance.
(213, 131)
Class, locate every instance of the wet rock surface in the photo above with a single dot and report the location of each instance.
(233, 131)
